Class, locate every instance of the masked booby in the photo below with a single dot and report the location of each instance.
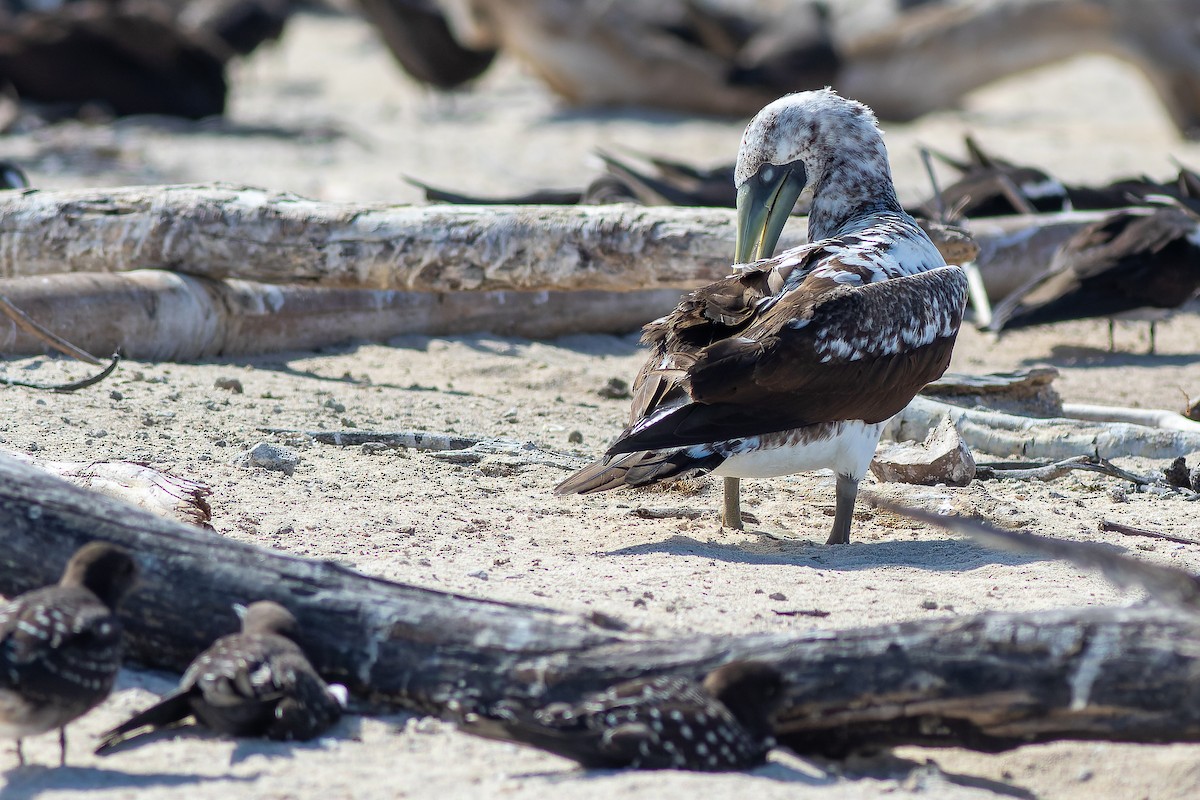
(795, 362)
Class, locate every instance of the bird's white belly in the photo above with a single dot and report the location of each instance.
(847, 448)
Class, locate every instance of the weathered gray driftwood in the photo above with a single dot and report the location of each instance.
(986, 682)
(238, 232)
(224, 232)
(1040, 437)
(155, 315)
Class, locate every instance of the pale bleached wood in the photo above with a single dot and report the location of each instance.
(224, 232)
(152, 315)
(989, 681)
(1040, 437)
(238, 232)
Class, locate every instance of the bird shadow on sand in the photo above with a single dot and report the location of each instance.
(32, 780)
(1083, 357)
(923, 777)
(788, 769)
(247, 747)
(939, 555)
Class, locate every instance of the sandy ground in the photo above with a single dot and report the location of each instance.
(326, 114)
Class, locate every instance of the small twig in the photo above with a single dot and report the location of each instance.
(67, 387)
(1056, 470)
(802, 612)
(670, 513)
(938, 199)
(445, 446)
(1129, 530)
(1019, 201)
(26, 323)
(411, 440)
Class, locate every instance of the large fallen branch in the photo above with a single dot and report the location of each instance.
(235, 232)
(1038, 437)
(154, 315)
(986, 682)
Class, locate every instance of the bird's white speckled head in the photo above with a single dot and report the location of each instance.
(839, 143)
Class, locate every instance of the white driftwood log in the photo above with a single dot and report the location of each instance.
(237, 232)
(224, 232)
(1040, 438)
(1153, 417)
(152, 315)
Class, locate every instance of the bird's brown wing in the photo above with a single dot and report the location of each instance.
(821, 353)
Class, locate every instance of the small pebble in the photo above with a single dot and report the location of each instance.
(929, 605)
(481, 574)
(777, 596)
(270, 456)
(575, 437)
(229, 384)
(371, 448)
(115, 395)
(335, 406)
(1118, 494)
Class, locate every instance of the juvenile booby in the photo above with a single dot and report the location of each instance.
(795, 362)
(668, 722)
(60, 646)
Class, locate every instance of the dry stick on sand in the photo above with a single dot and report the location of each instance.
(1129, 530)
(72, 386)
(446, 446)
(987, 682)
(1052, 472)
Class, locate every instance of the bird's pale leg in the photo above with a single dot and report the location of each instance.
(843, 515)
(731, 513)
(62, 746)
(1112, 347)
(1151, 351)
(20, 754)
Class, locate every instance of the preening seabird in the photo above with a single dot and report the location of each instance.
(794, 362)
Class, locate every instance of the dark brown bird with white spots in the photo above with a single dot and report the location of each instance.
(668, 722)
(795, 362)
(60, 646)
(254, 683)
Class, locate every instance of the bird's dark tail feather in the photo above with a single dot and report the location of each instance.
(171, 709)
(579, 746)
(637, 469)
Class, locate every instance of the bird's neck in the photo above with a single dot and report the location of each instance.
(847, 189)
